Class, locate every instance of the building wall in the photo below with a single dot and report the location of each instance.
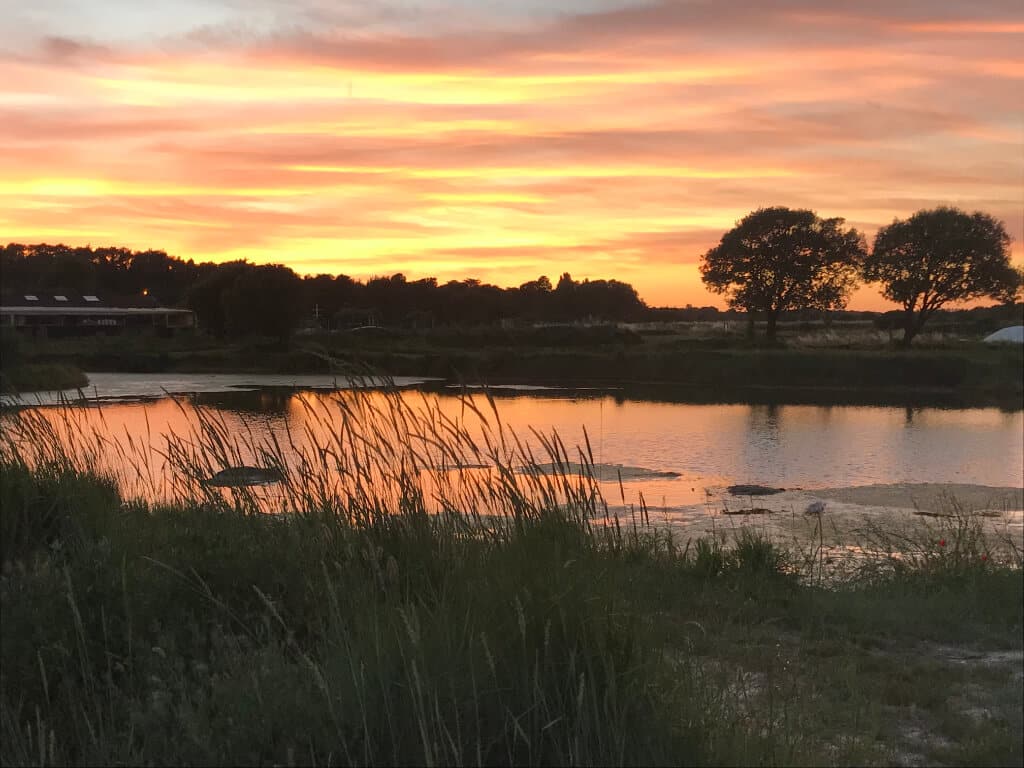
(64, 324)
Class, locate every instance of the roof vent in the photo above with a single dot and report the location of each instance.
(31, 297)
(61, 298)
(91, 298)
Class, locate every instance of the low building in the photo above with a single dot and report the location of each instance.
(57, 315)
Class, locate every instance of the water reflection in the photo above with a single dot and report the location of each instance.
(263, 401)
(763, 421)
(707, 446)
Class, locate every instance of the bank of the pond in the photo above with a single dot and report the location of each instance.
(192, 635)
(955, 374)
(853, 525)
(41, 377)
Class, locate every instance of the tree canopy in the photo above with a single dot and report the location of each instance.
(776, 259)
(938, 257)
(330, 301)
(267, 300)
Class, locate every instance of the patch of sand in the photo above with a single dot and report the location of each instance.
(859, 521)
(603, 472)
(941, 498)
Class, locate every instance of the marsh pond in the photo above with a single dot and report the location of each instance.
(163, 436)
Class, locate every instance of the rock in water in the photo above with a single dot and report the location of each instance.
(753, 490)
(234, 477)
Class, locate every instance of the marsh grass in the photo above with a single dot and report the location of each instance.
(34, 377)
(426, 599)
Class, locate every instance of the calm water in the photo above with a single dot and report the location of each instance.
(709, 446)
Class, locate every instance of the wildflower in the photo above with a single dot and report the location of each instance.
(942, 542)
(984, 557)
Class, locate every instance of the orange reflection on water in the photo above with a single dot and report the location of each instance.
(380, 447)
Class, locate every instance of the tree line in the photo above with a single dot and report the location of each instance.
(238, 298)
(780, 259)
(774, 262)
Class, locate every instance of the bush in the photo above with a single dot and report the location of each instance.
(50, 508)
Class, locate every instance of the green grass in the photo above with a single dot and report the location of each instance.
(367, 630)
(839, 367)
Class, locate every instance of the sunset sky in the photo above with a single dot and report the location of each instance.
(499, 140)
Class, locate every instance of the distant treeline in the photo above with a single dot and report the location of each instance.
(218, 291)
(237, 298)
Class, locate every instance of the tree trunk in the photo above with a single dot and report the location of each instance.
(769, 331)
(911, 325)
(750, 323)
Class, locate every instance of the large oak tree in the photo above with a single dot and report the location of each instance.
(938, 257)
(778, 259)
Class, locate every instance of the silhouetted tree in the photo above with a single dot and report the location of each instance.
(388, 295)
(539, 286)
(777, 259)
(471, 302)
(265, 300)
(324, 296)
(117, 273)
(941, 256)
(208, 297)
(73, 271)
(16, 270)
(163, 277)
(1013, 295)
(564, 297)
(48, 268)
(606, 300)
(533, 298)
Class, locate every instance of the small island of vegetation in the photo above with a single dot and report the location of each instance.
(19, 376)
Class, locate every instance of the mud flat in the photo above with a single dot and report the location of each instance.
(602, 472)
(938, 498)
(896, 519)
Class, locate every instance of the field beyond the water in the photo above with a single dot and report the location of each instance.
(365, 630)
(699, 362)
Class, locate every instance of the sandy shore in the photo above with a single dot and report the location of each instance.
(940, 498)
(869, 519)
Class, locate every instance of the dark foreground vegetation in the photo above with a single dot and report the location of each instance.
(364, 630)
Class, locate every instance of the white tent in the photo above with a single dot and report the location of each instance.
(1012, 335)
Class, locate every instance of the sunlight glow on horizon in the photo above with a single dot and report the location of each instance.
(618, 144)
